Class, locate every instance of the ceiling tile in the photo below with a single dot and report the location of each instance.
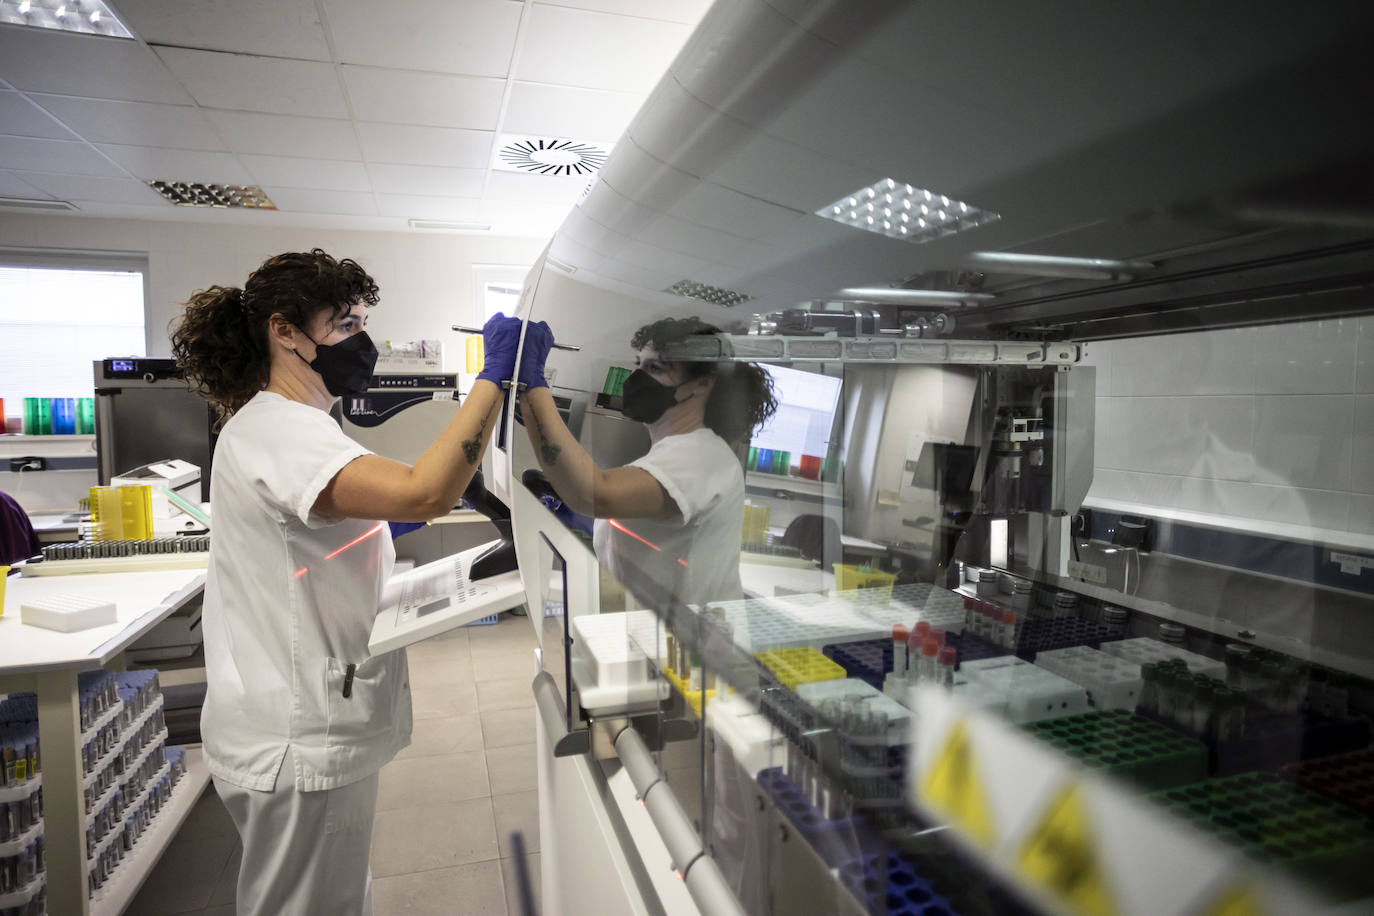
(149, 162)
(275, 28)
(12, 184)
(473, 37)
(569, 112)
(41, 60)
(242, 82)
(411, 145)
(431, 99)
(320, 174)
(688, 12)
(87, 187)
(304, 200)
(519, 186)
(133, 123)
(596, 50)
(410, 206)
(280, 135)
(31, 154)
(21, 118)
(424, 180)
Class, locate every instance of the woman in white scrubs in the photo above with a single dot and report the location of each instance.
(672, 519)
(298, 718)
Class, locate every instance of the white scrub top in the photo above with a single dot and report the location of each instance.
(696, 554)
(290, 598)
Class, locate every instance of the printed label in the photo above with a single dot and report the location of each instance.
(954, 788)
(1352, 564)
(1062, 857)
(1088, 572)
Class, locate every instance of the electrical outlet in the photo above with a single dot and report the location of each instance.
(32, 463)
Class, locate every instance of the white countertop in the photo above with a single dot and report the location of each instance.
(142, 599)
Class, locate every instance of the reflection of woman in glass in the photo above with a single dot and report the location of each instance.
(672, 518)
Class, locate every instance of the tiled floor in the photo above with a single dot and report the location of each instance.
(446, 807)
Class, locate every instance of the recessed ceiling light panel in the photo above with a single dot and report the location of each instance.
(88, 17)
(224, 196)
(549, 156)
(713, 294)
(903, 211)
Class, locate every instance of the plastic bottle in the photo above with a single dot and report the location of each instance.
(946, 661)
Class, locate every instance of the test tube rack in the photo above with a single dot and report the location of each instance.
(1272, 739)
(1031, 693)
(1144, 650)
(128, 775)
(1282, 824)
(835, 840)
(1345, 778)
(1040, 634)
(1128, 746)
(889, 883)
(1111, 682)
(868, 660)
(794, 667)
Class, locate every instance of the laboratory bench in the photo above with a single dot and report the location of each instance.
(49, 664)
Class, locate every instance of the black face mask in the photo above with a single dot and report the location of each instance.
(645, 398)
(346, 367)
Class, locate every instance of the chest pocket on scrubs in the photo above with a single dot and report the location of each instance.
(369, 710)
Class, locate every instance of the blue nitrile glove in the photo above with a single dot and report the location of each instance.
(400, 528)
(574, 520)
(538, 342)
(500, 340)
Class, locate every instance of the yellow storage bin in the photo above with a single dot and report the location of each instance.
(849, 576)
(800, 666)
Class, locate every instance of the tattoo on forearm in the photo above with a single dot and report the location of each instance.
(472, 448)
(548, 452)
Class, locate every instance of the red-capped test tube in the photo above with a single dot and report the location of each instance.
(899, 651)
(930, 650)
(1009, 629)
(945, 676)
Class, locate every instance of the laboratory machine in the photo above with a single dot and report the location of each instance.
(1057, 584)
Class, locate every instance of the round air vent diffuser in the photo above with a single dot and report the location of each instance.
(550, 156)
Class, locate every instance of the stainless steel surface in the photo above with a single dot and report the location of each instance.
(146, 419)
(467, 330)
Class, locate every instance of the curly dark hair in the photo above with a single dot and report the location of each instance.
(220, 339)
(742, 398)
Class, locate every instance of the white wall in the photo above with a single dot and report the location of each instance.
(1272, 423)
(425, 280)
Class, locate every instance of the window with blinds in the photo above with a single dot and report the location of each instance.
(54, 322)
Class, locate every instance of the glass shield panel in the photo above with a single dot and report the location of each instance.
(937, 568)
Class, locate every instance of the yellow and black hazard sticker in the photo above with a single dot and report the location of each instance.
(1241, 900)
(953, 788)
(1062, 858)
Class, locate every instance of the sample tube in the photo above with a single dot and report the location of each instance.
(930, 649)
(922, 629)
(947, 659)
(899, 652)
(970, 608)
(913, 651)
(938, 635)
(1008, 629)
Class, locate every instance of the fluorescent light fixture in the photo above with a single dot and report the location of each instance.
(905, 212)
(893, 296)
(706, 293)
(447, 224)
(87, 17)
(26, 203)
(219, 196)
(1045, 265)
